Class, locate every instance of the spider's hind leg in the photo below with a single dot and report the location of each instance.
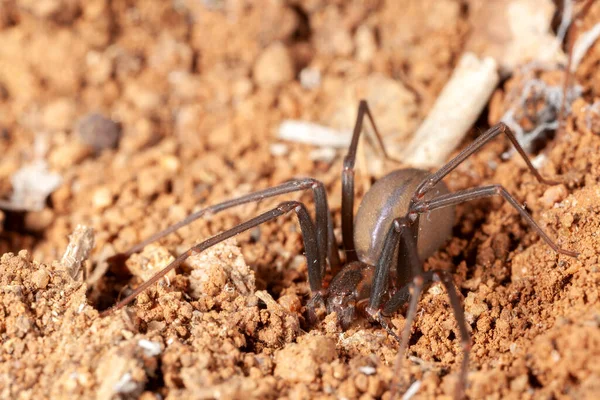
(308, 234)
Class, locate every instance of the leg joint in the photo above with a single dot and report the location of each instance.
(400, 223)
(290, 205)
(348, 166)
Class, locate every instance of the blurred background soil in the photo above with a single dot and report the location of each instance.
(149, 110)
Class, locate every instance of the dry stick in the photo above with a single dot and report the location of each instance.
(81, 243)
(582, 45)
(454, 112)
(570, 44)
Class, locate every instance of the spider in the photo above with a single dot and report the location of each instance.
(384, 243)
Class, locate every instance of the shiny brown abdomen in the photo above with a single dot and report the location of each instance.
(389, 198)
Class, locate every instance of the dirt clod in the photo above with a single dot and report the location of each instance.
(299, 362)
(274, 66)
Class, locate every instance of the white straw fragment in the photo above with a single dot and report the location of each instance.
(412, 390)
(583, 44)
(454, 112)
(81, 243)
(311, 133)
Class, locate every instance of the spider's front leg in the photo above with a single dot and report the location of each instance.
(402, 232)
(327, 246)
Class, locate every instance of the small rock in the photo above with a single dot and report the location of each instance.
(169, 54)
(553, 195)
(185, 86)
(474, 307)
(361, 382)
(143, 97)
(290, 302)
(279, 149)
(310, 78)
(68, 154)
(217, 267)
(63, 11)
(299, 362)
(40, 278)
(170, 163)
(23, 325)
(151, 260)
(102, 198)
(274, 66)
(341, 42)
(59, 115)
(519, 384)
(38, 221)
(99, 67)
(242, 88)
(99, 132)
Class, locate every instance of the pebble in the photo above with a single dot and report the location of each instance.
(242, 88)
(59, 114)
(341, 42)
(40, 278)
(300, 362)
(99, 67)
(290, 302)
(310, 78)
(361, 382)
(170, 163)
(102, 198)
(143, 97)
(98, 131)
(553, 195)
(39, 221)
(274, 66)
(279, 149)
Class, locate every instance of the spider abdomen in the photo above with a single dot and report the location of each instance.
(389, 198)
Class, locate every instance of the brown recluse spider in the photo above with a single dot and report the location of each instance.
(384, 244)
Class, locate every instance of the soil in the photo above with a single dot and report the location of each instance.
(186, 98)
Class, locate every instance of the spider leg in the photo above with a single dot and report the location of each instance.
(324, 223)
(348, 178)
(465, 340)
(417, 285)
(396, 302)
(308, 233)
(462, 196)
(484, 138)
(401, 232)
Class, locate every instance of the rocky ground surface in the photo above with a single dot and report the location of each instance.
(143, 111)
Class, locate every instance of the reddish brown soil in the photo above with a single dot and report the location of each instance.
(199, 90)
